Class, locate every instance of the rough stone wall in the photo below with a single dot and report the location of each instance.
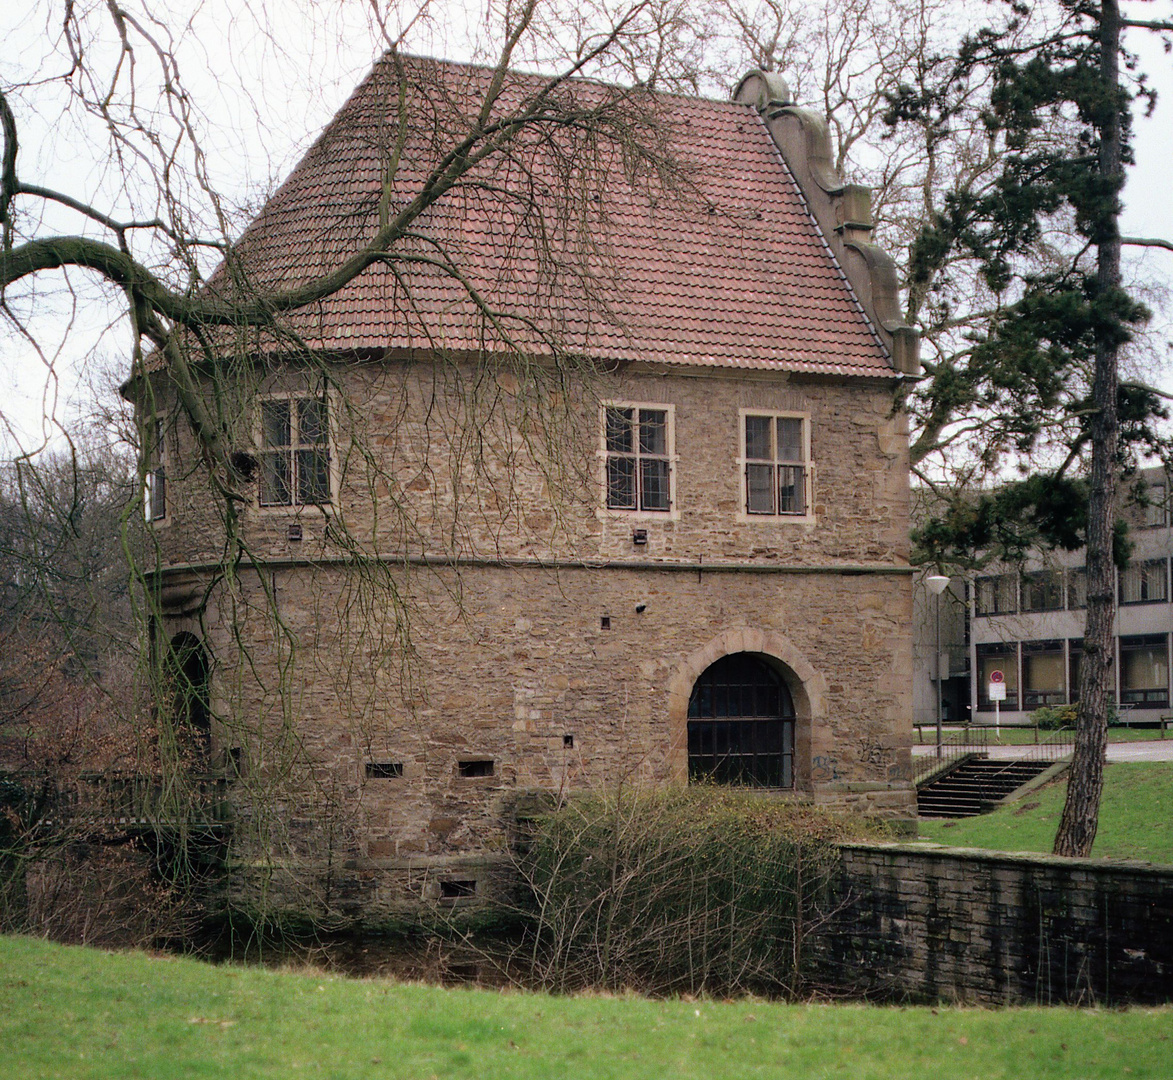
(428, 460)
(513, 666)
(425, 666)
(961, 925)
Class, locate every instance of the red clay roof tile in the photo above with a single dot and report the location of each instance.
(640, 273)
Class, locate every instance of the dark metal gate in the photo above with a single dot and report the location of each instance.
(741, 724)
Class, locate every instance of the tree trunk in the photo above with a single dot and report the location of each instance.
(1077, 827)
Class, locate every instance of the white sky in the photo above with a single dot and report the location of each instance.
(264, 101)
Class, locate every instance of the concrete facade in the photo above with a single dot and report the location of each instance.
(1033, 637)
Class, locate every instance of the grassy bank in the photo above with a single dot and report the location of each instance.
(1135, 822)
(83, 1013)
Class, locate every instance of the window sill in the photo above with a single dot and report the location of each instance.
(325, 509)
(742, 518)
(608, 513)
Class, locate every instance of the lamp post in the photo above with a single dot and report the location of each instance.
(936, 584)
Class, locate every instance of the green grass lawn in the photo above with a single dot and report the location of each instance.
(1135, 818)
(84, 1013)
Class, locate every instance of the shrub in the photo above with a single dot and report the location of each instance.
(1052, 719)
(1063, 716)
(690, 890)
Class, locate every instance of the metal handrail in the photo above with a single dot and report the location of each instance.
(975, 741)
(1048, 748)
(126, 799)
(969, 740)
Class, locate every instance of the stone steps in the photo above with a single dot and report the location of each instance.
(969, 789)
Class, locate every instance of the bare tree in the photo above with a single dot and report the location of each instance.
(210, 317)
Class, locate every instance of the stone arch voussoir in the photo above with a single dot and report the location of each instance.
(807, 687)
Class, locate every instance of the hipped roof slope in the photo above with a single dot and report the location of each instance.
(560, 236)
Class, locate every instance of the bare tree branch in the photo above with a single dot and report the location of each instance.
(1142, 241)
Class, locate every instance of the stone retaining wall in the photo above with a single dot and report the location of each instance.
(926, 922)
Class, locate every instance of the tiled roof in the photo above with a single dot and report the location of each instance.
(726, 269)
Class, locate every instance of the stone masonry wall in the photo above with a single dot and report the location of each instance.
(513, 666)
(924, 922)
(477, 630)
(427, 460)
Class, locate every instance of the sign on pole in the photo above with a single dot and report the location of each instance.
(997, 688)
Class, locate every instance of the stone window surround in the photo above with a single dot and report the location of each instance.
(157, 457)
(743, 514)
(292, 396)
(619, 513)
(807, 686)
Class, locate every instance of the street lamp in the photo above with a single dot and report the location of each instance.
(937, 584)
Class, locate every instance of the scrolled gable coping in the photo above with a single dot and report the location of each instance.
(842, 210)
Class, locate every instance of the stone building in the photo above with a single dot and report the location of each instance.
(602, 482)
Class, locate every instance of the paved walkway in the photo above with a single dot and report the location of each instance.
(1156, 750)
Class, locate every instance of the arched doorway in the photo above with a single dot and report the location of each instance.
(191, 704)
(741, 724)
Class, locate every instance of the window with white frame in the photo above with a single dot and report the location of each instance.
(156, 499)
(295, 451)
(776, 464)
(638, 451)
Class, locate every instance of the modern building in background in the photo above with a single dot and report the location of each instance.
(1028, 622)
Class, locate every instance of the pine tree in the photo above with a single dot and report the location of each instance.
(1058, 102)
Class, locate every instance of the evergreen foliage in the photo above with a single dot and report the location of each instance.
(1048, 358)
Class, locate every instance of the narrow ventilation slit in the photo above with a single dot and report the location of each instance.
(478, 767)
(384, 770)
(458, 888)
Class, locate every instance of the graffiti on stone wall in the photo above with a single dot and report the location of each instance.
(871, 753)
(824, 767)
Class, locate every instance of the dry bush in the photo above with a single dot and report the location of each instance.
(696, 890)
(97, 893)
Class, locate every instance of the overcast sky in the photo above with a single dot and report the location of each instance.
(265, 99)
